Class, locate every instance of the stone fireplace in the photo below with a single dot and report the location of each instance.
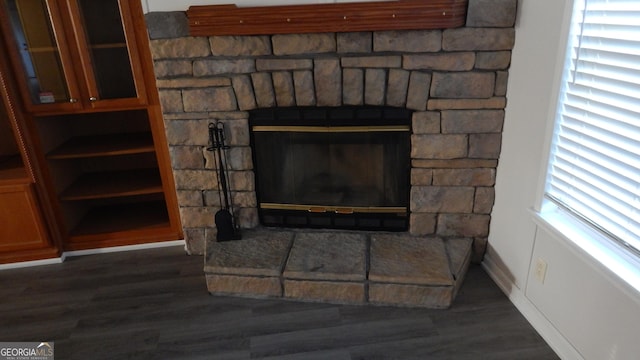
(453, 82)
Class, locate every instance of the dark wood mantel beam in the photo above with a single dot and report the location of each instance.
(211, 20)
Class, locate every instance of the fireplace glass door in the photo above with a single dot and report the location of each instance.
(332, 168)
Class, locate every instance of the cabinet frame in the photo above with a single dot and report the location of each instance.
(75, 57)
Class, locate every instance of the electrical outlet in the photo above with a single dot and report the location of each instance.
(541, 270)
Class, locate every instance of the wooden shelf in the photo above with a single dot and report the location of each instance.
(124, 217)
(12, 170)
(104, 145)
(104, 185)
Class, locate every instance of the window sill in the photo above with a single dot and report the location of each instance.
(607, 253)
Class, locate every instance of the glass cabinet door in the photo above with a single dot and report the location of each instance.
(110, 59)
(46, 69)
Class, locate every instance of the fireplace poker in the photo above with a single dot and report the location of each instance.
(224, 218)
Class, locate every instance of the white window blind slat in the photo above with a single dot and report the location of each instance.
(594, 168)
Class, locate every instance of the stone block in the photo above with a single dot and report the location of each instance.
(325, 291)
(439, 146)
(240, 45)
(239, 158)
(242, 180)
(197, 217)
(244, 199)
(418, 92)
(421, 177)
(244, 285)
(209, 99)
(461, 61)
(223, 67)
(491, 13)
(190, 198)
(190, 82)
(374, 86)
(283, 88)
(167, 24)
(187, 132)
(244, 92)
(436, 199)
(478, 39)
(502, 78)
(300, 44)
(493, 60)
(328, 82)
(425, 122)
(263, 88)
(186, 157)
(463, 225)
(404, 259)
(472, 121)
(237, 132)
(459, 104)
(195, 243)
(479, 249)
(354, 42)
(353, 86)
(195, 179)
(327, 256)
(372, 62)
(485, 146)
(422, 224)
(465, 85)
(171, 101)
(257, 253)
(459, 253)
(247, 218)
(407, 41)
(212, 198)
(304, 88)
(485, 198)
(433, 297)
(397, 87)
(180, 48)
(464, 177)
(455, 164)
(172, 68)
(283, 64)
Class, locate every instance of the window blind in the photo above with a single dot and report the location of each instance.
(594, 169)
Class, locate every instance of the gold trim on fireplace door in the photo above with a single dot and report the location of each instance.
(329, 129)
(335, 209)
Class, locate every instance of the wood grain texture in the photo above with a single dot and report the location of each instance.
(153, 304)
(210, 20)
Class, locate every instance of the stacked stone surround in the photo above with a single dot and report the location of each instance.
(454, 80)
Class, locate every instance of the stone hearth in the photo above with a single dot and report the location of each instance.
(340, 267)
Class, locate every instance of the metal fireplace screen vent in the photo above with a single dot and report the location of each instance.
(341, 168)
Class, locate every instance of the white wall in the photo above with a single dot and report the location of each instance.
(182, 5)
(582, 309)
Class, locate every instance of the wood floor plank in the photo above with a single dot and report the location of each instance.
(153, 304)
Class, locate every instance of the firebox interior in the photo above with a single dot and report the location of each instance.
(345, 168)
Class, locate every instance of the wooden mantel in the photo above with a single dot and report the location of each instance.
(211, 20)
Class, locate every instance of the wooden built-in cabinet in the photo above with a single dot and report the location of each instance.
(85, 76)
(24, 233)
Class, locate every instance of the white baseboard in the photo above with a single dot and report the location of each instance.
(24, 264)
(543, 326)
(124, 248)
(66, 254)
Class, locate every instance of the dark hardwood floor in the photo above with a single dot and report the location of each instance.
(153, 304)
